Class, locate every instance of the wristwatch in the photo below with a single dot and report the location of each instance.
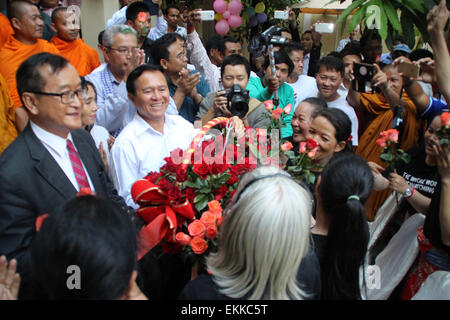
(408, 193)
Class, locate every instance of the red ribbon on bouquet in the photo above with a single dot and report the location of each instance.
(158, 211)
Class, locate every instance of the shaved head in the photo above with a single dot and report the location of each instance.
(17, 8)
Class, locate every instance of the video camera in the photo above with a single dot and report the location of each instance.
(273, 36)
(238, 99)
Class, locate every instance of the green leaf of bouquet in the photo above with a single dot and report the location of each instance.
(290, 154)
(199, 198)
(386, 157)
(311, 178)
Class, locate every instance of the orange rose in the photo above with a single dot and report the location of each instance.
(211, 231)
(302, 147)
(286, 146)
(198, 245)
(445, 119)
(197, 228)
(208, 219)
(276, 114)
(214, 206)
(219, 221)
(182, 238)
(381, 142)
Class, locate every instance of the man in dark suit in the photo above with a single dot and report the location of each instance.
(50, 161)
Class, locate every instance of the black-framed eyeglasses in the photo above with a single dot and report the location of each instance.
(67, 96)
(123, 50)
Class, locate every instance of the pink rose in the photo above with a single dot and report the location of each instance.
(182, 238)
(197, 228)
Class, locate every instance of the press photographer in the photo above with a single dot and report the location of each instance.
(235, 73)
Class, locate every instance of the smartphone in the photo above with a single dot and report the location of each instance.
(279, 14)
(324, 27)
(207, 15)
(409, 69)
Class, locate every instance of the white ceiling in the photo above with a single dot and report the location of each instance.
(321, 4)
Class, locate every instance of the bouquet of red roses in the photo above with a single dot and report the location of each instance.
(301, 166)
(443, 133)
(182, 203)
(391, 154)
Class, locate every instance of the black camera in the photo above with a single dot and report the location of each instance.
(238, 99)
(363, 73)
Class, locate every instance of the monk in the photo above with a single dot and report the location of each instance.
(8, 131)
(376, 115)
(67, 27)
(5, 29)
(26, 41)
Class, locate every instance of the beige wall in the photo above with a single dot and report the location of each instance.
(94, 15)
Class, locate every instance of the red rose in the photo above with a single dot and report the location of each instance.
(181, 175)
(232, 180)
(197, 228)
(198, 245)
(190, 194)
(276, 114)
(174, 194)
(182, 238)
(220, 193)
(201, 169)
(393, 135)
(211, 231)
(165, 185)
(311, 144)
(381, 142)
(218, 168)
(153, 176)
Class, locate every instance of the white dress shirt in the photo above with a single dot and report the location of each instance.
(161, 29)
(342, 104)
(57, 147)
(305, 87)
(139, 150)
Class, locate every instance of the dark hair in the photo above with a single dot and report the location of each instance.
(85, 83)
(100, 37)
(335, 54)
(29, 77)
(136, 73)
(292, 46)
(344, 176)
(341, 123)
(135, 8)
(318, 103)
(420, 53)
(352, 48)
(233, 60)
(170, 6)
(308, 31)
(280, 57)
(400, 39)
(55, 12)
(369, 35)
(93, 234)
(160, 48)
(229, 39)
(14, 9)
(215, 42)
(332, 63)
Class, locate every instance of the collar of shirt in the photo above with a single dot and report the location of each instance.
(143, 126)
(108, 81)
(50, 140)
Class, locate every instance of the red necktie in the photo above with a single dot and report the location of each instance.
(77, 166)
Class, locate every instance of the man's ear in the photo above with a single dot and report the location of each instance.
(131, 97)
(164, 63)
(130, 23)
(30, 103)
(53, 27)
(15, 23)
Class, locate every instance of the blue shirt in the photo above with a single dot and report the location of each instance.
(433, 109)
(188, 109)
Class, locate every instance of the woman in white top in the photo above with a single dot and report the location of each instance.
(103, 140)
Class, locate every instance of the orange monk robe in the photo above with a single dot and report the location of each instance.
(376, 105)
(8, 131)
(13, 54)
(84, 58)
(5, 29)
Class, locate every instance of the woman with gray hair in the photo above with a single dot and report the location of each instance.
(264, 243)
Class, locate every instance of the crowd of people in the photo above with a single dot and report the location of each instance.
(77, 131)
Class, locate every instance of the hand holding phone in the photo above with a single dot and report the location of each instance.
(408, 69)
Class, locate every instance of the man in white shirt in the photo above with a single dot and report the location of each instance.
(329, 78)
(123, 55)
(50, 161)
(304, 86)
(152, 134)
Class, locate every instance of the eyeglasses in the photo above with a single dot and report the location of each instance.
(124, 51)
(67, 96)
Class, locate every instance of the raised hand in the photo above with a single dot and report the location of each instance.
(380, 78)
(9, 279)
(187, 82)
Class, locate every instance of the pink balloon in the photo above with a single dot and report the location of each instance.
(226, 15)
(235, 6)
(235, 21)
(220, 6)
(222, 27)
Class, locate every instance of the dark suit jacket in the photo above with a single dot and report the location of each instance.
(32, 184)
